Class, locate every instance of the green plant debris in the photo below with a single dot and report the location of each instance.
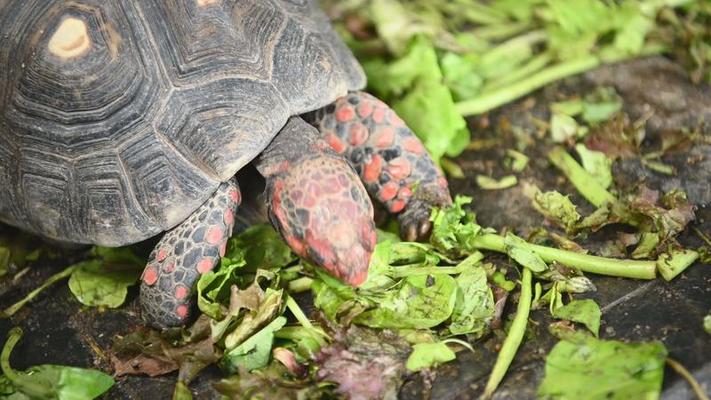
(707, 324)
(93, 283)
(588, 368)
(254, 352)
(48, 381)
(489, 183)
(514, 337)
(597, 164)
(11, 310)
(586, 312)
(427, 355)
(468, 57)
(675, 262)
(558, 208)
(516, 160)
(585, 183)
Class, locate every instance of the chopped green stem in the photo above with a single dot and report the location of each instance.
(511, 92)
(405, 271)
(25, 384)
(300, 285)
(499, 31)
(679, 369)
(302, 318)
(513, 339)
(581, 179)
(532, 66)
(10, 311)
(588, 263)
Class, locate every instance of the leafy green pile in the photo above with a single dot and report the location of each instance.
(437, 61)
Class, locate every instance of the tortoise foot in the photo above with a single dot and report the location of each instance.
(183, 254)
(391, 160)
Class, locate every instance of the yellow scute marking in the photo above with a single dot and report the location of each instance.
(71, 39)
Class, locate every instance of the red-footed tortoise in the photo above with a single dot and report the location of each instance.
(124, 119)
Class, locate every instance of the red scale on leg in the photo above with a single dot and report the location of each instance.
(388, 191)
(413, 145)
(162, 254)
(205, 265)
(181, 292)
(358, 134)
(181, 311)
(150, 275)
(384, 137)
(371, 172)
(378, 114)
(229, 217)
(345, 113)
(168, 267)
(397, 206)
(335, 143)
(365, 108)
(223, 248)
(214, 235)
(399, 168)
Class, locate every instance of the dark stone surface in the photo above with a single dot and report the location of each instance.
(59, 330)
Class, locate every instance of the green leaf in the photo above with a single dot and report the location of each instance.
(601, 105)
(214, 288)
(52, 381)
(558, 208)
(488, 183)
(518, 250)
(93, 284)
(707, 324)
(597, 164)
(474, 307)
(675, 262)
(589, 368)
(454, 229)
(427, 355)
(262, 246)
(586, 312)
(254, 352)
(421, 302)
(564, 128)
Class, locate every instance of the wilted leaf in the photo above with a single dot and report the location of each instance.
(427, 355)
(587, 312)
(254, 352)
(589, 368)
(474, 308)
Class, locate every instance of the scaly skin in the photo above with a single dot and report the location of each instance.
(183, 254)
(391, 160)
(318, 204)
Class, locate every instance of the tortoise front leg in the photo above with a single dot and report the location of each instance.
(391, 160)
(317, 202)
(192, 248)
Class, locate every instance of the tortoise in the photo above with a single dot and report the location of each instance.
(121, 120)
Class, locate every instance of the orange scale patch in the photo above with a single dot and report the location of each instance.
(378, 115)
(150, 275)
(181, 311)
(388, 191)
(229, 217)
(335, 143)
(365, 108)
(399, 168)
(358, 134)
(235, 196)
(384, 137)
(214, 235)
(404, 193)
(413, 145)
(345, 113)
(372, 169)
(162, 254)
(397, 206)
(181, 292)
(205, 265)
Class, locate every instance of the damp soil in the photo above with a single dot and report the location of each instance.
(59, 330)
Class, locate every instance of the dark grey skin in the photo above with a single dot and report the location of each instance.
(121, 120)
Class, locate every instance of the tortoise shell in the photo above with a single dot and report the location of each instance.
(119, 118)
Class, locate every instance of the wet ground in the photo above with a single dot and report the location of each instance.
(58, 330)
